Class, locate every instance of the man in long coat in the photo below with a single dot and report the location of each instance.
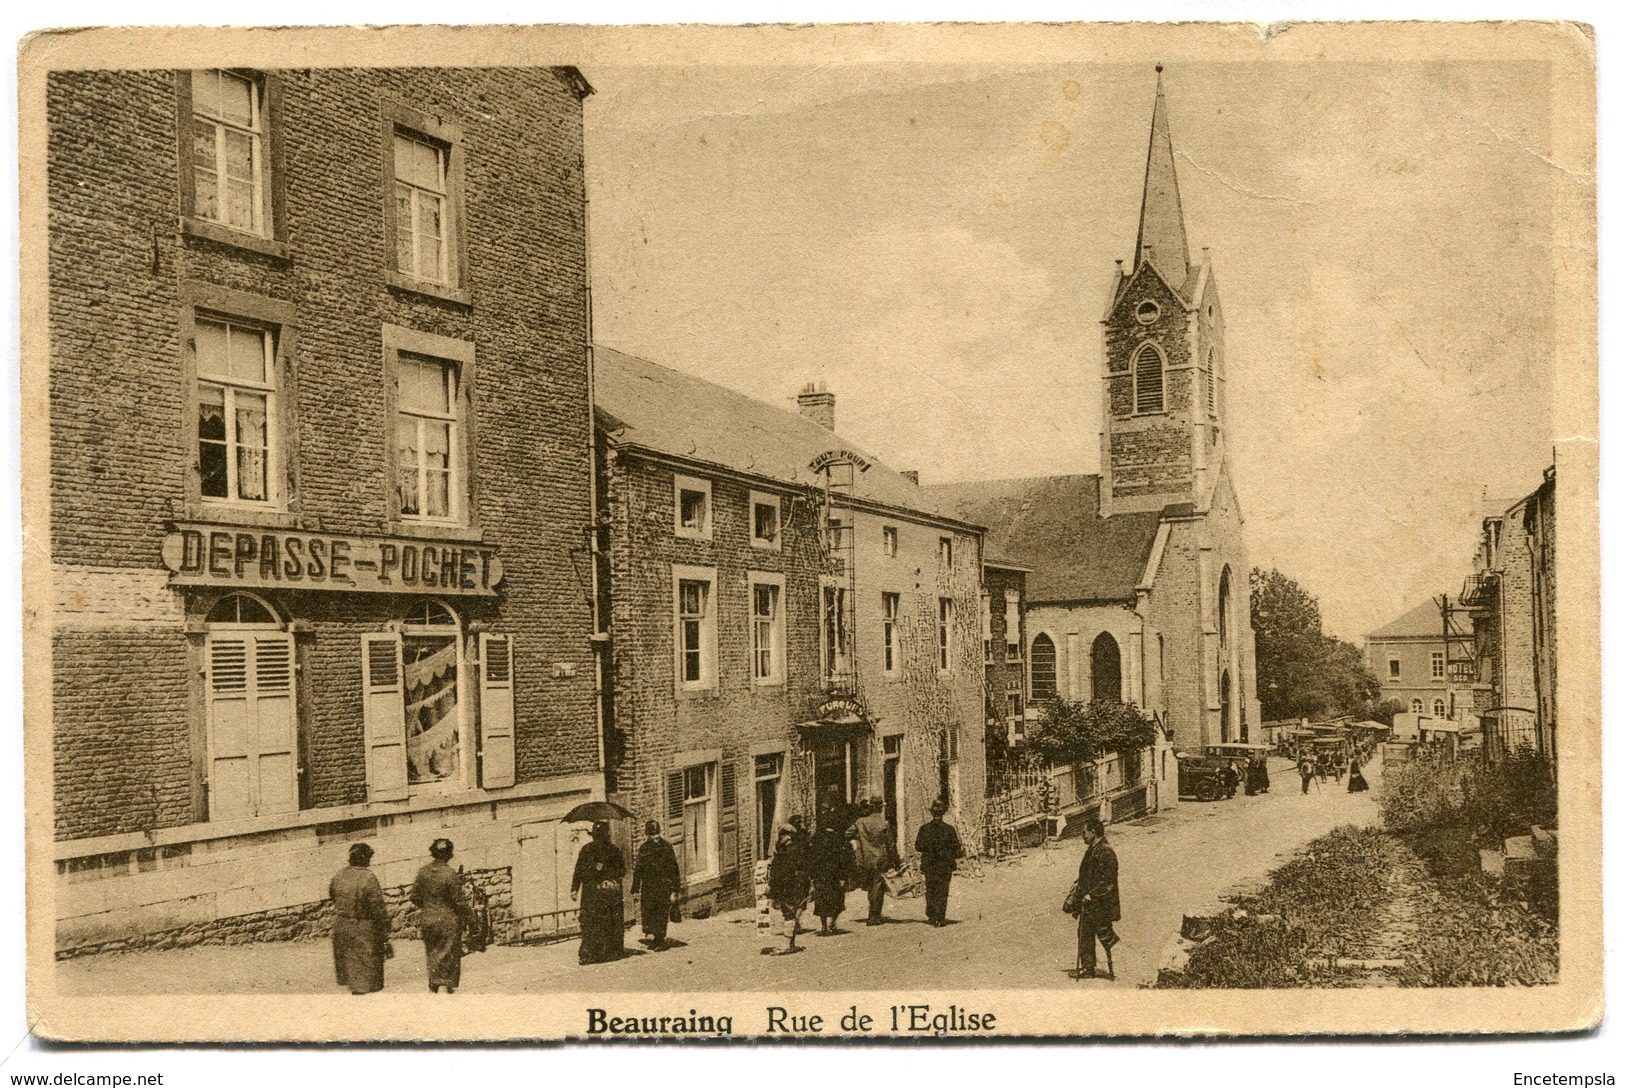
(940, 850)
(1098, 905)
(360, 924)
(655, 876)
(874, 843)
(443, 914)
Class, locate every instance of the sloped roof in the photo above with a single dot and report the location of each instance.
(667, 411)
(1052, 525)
(1420, 622)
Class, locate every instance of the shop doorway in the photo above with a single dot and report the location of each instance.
(835, 772)
(892, 786)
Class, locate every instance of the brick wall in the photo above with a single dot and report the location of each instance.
(122, 452)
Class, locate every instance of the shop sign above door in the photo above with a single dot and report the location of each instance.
(245, 557)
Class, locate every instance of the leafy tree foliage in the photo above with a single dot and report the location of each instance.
(1302, 671)
(1080, 732)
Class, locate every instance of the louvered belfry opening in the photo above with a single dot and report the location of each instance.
(1148, 379)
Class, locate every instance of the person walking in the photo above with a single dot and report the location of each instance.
(1357, 782)
(443, 914)
(360, 924)
(875, 854)
(1306, 770)
(940, 850)
(829, 863)
(1098, 905)
(787, 882)
(655, 876)
(597, 882)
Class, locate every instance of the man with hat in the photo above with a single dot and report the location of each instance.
(656, 877)
(939, 849)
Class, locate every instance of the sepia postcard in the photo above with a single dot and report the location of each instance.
(700, 532)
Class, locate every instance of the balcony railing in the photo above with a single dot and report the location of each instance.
(1479, 589)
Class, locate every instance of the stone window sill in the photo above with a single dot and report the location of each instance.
(441, 291)
(193, 227)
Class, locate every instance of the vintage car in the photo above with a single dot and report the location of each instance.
(1204, 777)
(1249, 761)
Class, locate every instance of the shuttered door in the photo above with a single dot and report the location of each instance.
(496, 712)
(384, 717)
(253, 760)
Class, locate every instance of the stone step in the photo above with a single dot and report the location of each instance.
(1493, 863)
(1520, 848)
(1545, 841)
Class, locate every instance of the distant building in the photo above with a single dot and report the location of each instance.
(1138, 590)
(1003, 642)
(1511, 598)
(794, 627)
(1409, 658)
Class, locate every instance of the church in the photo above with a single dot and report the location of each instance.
(1139, 583)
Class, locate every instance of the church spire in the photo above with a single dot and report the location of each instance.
(1162, 223)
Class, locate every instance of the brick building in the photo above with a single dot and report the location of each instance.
(320, 475)
(1511, 598)
(792, 625)
(1410, 659)
(1004, 641)
(1138, 588)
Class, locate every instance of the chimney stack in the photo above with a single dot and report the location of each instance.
(817, 404)
(910, 474)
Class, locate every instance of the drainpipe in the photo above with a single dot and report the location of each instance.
(599, 637)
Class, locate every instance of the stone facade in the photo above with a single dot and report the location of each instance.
(1004, 651)
(150, 538)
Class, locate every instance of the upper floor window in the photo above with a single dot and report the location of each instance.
(1148, 379)
(987, 628)
(236, 393)
(692, 510)
(1436, 664)
(945, 624)
(764, 520)
(427, 437)
(945, 552)
(1393, 668)
(891, 606)
(695, 608)
(420, 208)
(229, 169)
(1012, 625)
(888, 541)
(836, 648)
(766, 628)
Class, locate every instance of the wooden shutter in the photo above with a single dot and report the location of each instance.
(276, 779)
(728, 821)
(674, 807)
(383, 711)
(231, 725)
(1147, 380)
(496, 711)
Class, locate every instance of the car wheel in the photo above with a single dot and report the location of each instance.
(1207, 791)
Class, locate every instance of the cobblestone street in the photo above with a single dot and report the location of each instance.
(1007, 928)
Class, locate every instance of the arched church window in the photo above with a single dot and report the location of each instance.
(1042, 661)
(1106, 670)
(1224, 608)
(1148, 379)
(1212, 383)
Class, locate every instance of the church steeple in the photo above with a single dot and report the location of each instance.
(1162, 223)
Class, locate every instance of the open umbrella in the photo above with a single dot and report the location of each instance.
(593, 811)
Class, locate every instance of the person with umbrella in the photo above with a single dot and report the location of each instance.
(655, 876)
(597, 885)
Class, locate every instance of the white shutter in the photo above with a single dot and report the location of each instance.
(253, 753)
(383, 712)
(496, 711)
(231, 725)
(276, 781)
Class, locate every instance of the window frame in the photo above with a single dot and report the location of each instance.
(776, 676)
(462, 490)
(1012, 626)
(211, 303)
(767, 499)
(829, 675)
(271, 240)
(680, 484)
(1438, 708)
(888, 541)
(945, 636)
(1394, 669)
(1436, 664)
(707, 648)
(711, 769)
(945, 553)
(1162, 370)
(1052, 690)
(891, 644)
(1417, 706)
(397, 118)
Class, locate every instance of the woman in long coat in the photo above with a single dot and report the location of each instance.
(829, 863)
(597, 880)
(787, 882)
(360, 924)
(443, 911)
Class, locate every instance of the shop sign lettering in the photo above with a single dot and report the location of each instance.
(241, 556)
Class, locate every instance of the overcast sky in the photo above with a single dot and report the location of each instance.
(935, 244)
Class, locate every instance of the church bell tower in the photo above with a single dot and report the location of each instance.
(1162, 401)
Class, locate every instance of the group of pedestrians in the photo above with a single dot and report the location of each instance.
(851, 850)
(1320, 765)
(450, 922)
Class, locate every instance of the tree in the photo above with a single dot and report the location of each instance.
(1079, 732)
(1302, 672)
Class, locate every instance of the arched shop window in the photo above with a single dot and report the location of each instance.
(253, 759)
(1042, 660)
(431, 653)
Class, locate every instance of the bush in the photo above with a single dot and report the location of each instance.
(1504, 798)
(1082, 732)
